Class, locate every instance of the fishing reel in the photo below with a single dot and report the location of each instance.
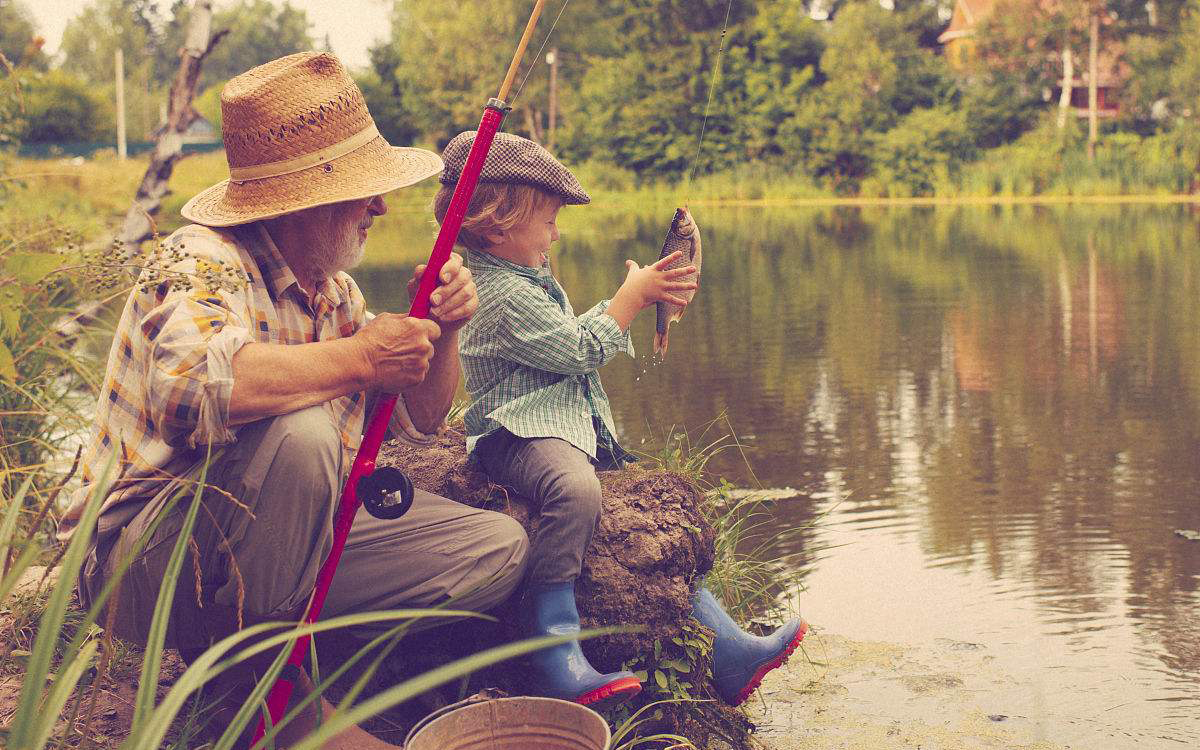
(386, 493)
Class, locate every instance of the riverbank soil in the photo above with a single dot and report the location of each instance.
(112, 715)
(861, 695)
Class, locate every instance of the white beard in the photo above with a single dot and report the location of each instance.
(337, 253)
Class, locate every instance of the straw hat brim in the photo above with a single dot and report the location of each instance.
(369, 170)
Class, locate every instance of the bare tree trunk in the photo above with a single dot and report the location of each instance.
(138, 225)
(1093, 83)
(1068, 84)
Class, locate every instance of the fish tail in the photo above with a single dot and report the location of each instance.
(660, 341)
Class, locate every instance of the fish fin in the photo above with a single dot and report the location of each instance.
(660, 342)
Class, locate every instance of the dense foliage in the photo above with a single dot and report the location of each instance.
(78, 94)
(840, 95)
(862, 100)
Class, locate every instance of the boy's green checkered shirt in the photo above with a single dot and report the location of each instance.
(530, 362)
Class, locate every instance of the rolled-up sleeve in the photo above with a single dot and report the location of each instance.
(402, 428)
(192, 338)
(534, 331)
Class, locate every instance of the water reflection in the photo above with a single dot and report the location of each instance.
(996, 409)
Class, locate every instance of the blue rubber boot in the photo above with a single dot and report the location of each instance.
(563, 671)
(741, 660)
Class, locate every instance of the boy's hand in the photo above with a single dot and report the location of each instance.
(645, 285)
(655, 283)
(454, 299)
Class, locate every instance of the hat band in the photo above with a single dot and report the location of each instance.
(304, 161)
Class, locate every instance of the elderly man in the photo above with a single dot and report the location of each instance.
(274, 376)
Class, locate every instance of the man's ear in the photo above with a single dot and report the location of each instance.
(494, 237)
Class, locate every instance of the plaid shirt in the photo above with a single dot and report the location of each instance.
(531, 364)
(170, 369)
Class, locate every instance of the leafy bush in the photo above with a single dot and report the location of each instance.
(922, 151)
(61, 108)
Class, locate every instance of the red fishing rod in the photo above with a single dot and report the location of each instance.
(365, 482)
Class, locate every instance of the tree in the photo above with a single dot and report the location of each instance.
(926, 146)
(643, 107)
(63, 108)
(19, 42)
(444, 60)
(875, 74)
(91, 39)
(89, 44)
(258, 31)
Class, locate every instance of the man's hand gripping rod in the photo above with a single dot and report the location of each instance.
(365, 482)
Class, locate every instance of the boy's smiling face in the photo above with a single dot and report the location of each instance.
(528, 242)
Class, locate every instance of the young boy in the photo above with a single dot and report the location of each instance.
(539, 420)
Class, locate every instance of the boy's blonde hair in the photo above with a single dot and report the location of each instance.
(495, 205)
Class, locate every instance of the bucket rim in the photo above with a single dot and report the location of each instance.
(478, 699)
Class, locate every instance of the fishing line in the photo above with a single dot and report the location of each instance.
(712, 86)
(538, 55)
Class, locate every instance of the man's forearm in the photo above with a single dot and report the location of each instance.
(273, 379)
(429, 401)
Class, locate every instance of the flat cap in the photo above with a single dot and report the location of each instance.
(516, 160)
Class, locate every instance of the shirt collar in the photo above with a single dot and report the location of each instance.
(481, 259)
(278, 275)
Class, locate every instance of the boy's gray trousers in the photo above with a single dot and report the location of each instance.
(561, 481)
(261, 558)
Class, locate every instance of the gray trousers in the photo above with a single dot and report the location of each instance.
(561, 481)
(263, 558)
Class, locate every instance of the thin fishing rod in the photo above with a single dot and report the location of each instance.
(538, 55)
(712, 86)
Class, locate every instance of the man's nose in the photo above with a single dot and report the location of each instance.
(554, 234)
(377, 206)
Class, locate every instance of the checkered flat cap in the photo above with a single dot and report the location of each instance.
(517, 160)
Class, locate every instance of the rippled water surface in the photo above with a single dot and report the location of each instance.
(992, 417)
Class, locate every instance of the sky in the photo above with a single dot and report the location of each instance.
(353, 26)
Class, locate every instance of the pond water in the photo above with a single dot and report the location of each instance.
(991, 416)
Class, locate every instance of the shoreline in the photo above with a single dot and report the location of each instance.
(845, 694)
(995, 200)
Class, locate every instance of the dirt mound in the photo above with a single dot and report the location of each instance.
(653, 544)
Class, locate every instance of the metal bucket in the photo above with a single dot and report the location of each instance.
(511, 724)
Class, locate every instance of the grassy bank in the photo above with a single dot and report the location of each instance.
(98, 189)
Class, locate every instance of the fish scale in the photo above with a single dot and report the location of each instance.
(683, 235)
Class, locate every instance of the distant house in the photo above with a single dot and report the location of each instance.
(199, 131)
(958, 45)
(957, 42)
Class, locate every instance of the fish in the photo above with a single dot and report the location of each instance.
(683, 235)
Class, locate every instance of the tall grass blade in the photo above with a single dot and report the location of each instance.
(210, 663)
(342, 720)
(628, 727)
(50, 626)
(9, 527)
(152, 663)
(256, 703)
(64, 685)
(17, 569)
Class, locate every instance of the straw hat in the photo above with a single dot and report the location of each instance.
(297, 134)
